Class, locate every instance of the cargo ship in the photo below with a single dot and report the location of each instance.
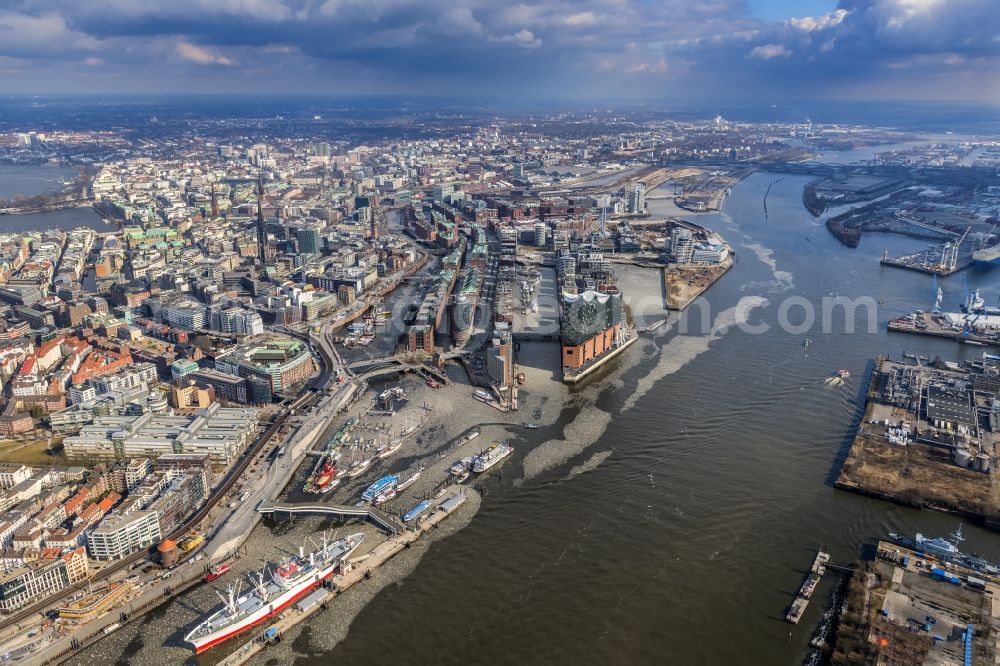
(388, 481)
(288, 582)
(491, 457)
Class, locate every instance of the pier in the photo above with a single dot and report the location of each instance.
(801, 601)
(342, 512)
(358, 569)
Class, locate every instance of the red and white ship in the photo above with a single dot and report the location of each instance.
(289, 581)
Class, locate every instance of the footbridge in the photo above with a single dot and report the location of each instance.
(342, 512)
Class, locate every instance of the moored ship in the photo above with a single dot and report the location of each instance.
(380, 486)
(288, 582)
(491, 457)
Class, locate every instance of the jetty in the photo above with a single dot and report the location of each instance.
(801, 601)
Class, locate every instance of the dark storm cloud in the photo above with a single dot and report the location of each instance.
(638, 48)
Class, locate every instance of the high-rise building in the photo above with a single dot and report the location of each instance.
(309, 239)
(681, 245)
(637, 199)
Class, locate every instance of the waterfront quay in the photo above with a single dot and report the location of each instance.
(928, 438)
(908, 607)
(977, 330)
(357, 570)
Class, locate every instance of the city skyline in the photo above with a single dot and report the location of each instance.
(760, 50)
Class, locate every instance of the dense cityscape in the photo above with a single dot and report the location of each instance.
(293, 374)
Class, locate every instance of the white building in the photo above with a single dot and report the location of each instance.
(118, 536)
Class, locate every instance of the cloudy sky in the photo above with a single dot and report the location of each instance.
(652, 49)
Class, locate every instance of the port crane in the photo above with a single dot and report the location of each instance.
(949, 254)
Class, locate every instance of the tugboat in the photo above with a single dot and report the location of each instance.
(216, 571)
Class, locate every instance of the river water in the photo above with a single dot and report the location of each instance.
(687, 542)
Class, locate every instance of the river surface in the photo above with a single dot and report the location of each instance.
(687, 542)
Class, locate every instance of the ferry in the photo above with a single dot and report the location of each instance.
(216, 571)
(462, 466)
(388, 481)
(491, 457)
(416, 511)
(409, 482)
(287, 582)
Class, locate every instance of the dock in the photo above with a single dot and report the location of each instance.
(357, 570)
(812, 579)
(936, 330)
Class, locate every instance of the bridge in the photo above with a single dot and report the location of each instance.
(341, 512)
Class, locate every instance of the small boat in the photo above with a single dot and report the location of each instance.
(409, 482)
(441, 491)
(389, 449)
(359, 467)
(216, 571)
(433, 384)
(330, 486)
(842, 374)
(806, 342)
(531, 426)
(384, 496)
(463, 477)
(416, 511)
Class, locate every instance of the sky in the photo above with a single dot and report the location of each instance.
(754, 50)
